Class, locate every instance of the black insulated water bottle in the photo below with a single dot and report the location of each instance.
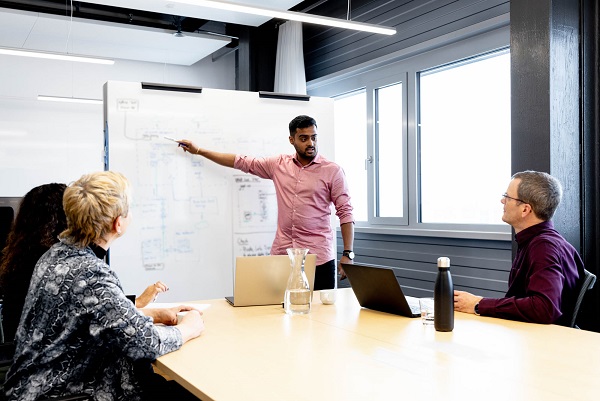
(443, 297)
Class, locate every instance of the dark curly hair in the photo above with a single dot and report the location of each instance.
(301, 122)
(39, 221)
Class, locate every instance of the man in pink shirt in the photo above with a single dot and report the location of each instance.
(306, 185)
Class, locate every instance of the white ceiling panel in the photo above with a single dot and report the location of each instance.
(190, 8)
(33, 31)
(15, 27)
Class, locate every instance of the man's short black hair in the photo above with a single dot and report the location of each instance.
(301, 122)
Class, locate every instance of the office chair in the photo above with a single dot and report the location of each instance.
(1, 324)
(588, 283)
(7, 351)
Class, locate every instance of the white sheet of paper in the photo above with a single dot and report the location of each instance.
(156, 305)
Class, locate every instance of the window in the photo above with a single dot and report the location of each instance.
(464, 140)
(389, 147)
(350, 121)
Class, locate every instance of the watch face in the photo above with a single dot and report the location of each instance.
(350, 255)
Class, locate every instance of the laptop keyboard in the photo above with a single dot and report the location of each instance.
(414, 305)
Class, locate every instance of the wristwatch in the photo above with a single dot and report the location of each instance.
(477, 308)
(348, 254)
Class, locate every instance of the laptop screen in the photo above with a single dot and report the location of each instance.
(262, 280)
(377, 288)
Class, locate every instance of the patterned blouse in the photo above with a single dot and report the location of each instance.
(79, 333)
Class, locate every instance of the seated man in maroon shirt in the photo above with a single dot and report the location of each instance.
(547, 271)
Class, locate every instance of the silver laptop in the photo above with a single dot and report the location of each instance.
(261, 280)
(377, 288)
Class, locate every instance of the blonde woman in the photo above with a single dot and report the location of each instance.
(78, 333)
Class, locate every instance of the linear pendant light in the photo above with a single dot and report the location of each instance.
(290, 15)
(54, 56)
(68, 99)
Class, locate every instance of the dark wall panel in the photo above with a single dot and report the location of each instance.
(589, 315)
(478, 266)
(331, 50)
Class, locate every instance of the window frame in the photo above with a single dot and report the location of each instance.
(426, 56)
(373, 151)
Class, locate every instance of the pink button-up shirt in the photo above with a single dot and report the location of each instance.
(304, 198)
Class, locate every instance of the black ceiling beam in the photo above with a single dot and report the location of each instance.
(104, 13)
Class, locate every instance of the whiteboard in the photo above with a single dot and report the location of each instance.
(190, 216)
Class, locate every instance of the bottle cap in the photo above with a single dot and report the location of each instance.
(444, 262)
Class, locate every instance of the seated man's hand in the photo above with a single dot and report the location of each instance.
(465, 301)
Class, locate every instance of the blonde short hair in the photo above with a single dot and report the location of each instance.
(92, 204)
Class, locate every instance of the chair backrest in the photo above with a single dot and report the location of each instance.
(1, 324)
(588, 283)
(7, 351)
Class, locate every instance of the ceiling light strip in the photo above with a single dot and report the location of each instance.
(291, 15)
(54, 56)
(68, 99)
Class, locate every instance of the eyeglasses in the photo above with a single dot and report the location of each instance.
(505, 195)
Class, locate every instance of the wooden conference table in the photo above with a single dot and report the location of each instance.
(343, 352)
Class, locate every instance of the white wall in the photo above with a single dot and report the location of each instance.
(42, 142)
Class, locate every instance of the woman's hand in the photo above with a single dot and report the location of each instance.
(192, 325)
(150, 294)
(167, 316)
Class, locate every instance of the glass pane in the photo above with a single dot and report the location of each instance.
(350, 119)
(465, 140)
(389, 149)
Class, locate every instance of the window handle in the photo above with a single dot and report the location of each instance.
(368, 160)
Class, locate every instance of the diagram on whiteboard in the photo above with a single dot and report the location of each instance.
(255, 205)
(255, 244)
(254, 215)
(175, 204)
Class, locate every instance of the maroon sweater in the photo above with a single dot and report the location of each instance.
(544, 279)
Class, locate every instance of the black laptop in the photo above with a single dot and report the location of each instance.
(377, 288)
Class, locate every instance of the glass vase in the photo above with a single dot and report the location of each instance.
(297, 293)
